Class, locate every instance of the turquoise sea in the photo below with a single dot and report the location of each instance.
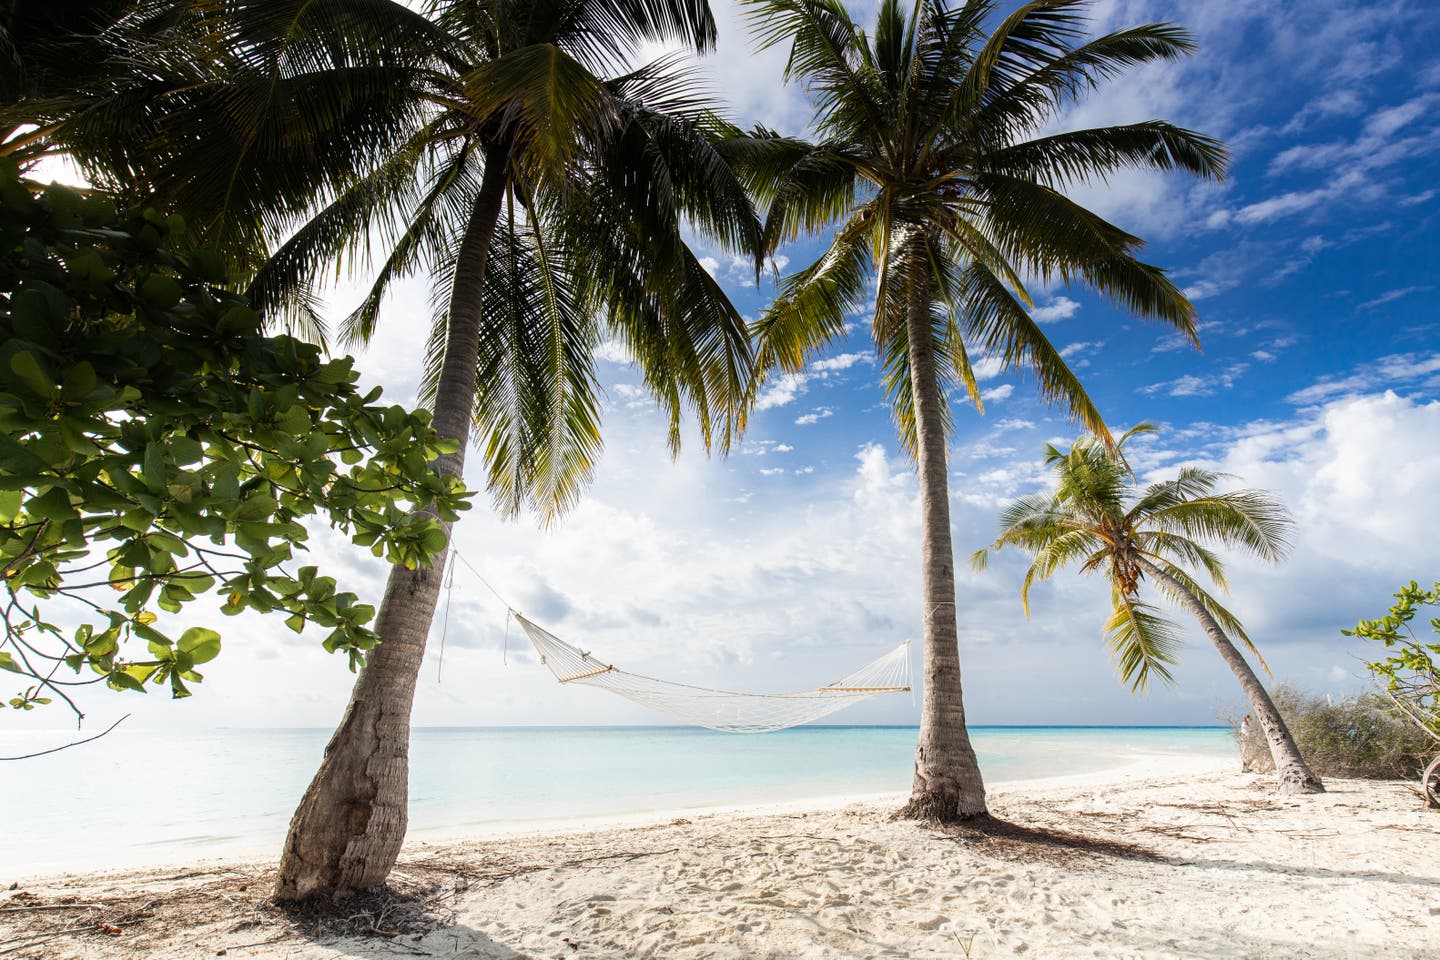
(141, 796)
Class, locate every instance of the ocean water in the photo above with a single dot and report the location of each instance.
(140, 796)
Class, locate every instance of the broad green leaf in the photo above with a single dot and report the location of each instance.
(202, 644)
(28, 370)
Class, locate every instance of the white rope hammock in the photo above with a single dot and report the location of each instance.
(720, 709)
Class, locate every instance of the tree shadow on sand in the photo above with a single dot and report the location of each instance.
(1001, 839)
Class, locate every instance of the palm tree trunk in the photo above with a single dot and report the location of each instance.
(1294, 773)
(347, 832)
(947, 785)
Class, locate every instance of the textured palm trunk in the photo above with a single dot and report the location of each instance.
(347, 832)
(1294, 773)
(947, 785)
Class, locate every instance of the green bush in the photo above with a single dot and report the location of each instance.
(1360, 737)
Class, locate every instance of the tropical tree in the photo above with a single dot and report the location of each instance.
(48, 52)
(1409, 673)
(930, 160)
(1098, 518)
(506, 149)
(157, 449)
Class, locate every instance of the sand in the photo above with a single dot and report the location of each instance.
(1194, 862)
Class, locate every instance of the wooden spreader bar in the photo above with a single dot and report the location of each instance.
(866, 689)
(588, 673)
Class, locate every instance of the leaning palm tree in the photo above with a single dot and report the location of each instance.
(506, 149)
(1098, 518)
(930, 162)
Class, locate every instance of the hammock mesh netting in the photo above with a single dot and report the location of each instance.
(720, 709)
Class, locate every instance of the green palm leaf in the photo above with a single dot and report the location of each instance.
(1145, 644)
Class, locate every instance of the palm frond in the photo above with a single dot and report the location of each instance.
(1004, 329)
(810, 309)
(1144, 643)
(1083, 156)
(1180, 581)
(1025, 104)
(1250, 519)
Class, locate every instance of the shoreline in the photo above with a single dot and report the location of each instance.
(1136, 863)
(1127, 768)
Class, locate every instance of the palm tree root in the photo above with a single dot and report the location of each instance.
(1300, 781)
(939, 807)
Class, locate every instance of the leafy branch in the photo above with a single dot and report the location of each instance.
(152, 434)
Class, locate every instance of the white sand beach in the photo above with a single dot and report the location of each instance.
(1189, 863)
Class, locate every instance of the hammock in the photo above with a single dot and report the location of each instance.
(719, 709)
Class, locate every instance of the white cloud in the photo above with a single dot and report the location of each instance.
(1367, 161)
(780, 390)
(613, 351)
(988, 368)
(785, 388)
(632, 395)
(809, 419)
(1352, 185)
(1061, 308)
(1205, 288)
(1080, 348)
(1191, 385)
(760, 448)
(840, 362)
(1171, 342)
(1390, 296)
(1395, 370)
(1360, 511)
(996, 394)
(1376, 145)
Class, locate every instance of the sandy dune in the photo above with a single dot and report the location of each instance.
(1194, 865)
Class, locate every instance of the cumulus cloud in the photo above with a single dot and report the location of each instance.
(998, 393)
(780, 390)
(785, 388)
(840, 362)
(1060, 308)
(1359, 512)
(988, 368)
(1080, 348)
(613, 351)
(814, 417)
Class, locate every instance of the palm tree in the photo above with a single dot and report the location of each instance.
(929, 160)
(506, 149)
(1098, 518)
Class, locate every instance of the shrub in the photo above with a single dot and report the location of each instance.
(1360, 737)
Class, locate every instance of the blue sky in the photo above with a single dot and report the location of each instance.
(796, 558)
